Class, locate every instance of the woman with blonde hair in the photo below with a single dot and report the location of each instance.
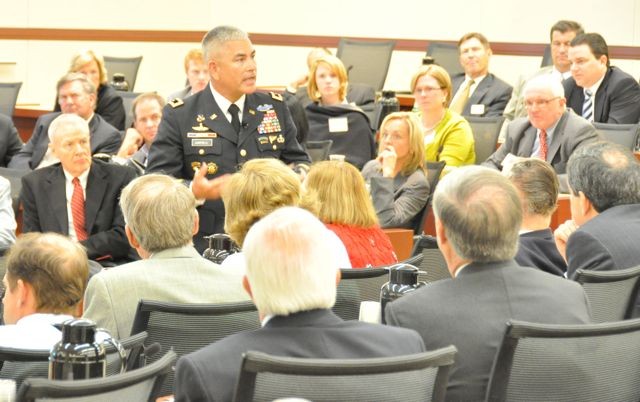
(447, 135)
(259, 188)
(337, 191)
(109, 104)
(397, 181)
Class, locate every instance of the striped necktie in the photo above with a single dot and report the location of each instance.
(587, 106)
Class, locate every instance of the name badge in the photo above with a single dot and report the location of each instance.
(338, 125)
(202, 142)
(202, 135)
(477, 109)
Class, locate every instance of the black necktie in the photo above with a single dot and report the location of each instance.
(235, 120)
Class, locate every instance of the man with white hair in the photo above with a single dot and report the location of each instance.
(291, 277)
(78, 197)
(549, 132)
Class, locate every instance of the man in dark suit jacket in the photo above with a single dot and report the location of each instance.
(547, 113)
(295, 313)
(10, 142)
(617, 94)
(478, 215)
(76, 94)
(48, 194)
(477, 92)
(604, 181)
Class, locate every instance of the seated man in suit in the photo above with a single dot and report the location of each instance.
(77, 95)
(477, 92)
(537, 185)
(43, 286)
(291, 277)
(10, 142)
(597, 91)
(197, 74)
(478, 215)
(78, 197)
(551, 132)
(147, 113)
(161, 219)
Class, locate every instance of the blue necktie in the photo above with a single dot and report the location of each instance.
(587, 106)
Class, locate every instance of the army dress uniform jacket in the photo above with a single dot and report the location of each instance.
(196, 131)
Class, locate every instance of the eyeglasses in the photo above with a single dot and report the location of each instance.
(539, 102)
(426, 90)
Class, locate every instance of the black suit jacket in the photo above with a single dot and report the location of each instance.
(538, 249)
(210, 374)
(471, 311)
(492, 92)
(44, 201)
(617, 99)
(104, 138)
(10, 142)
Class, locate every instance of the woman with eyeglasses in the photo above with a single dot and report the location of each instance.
(447, 135)
(397, 181)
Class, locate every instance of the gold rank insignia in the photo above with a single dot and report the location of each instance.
(200, 127)
(213, 116)
(176, 102)
(276, 96)
(212, 168)
(195, 166)
(251, 111)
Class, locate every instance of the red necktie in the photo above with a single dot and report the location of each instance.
(543, 145)
(77, 210)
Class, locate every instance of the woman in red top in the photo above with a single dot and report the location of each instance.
(337, 190)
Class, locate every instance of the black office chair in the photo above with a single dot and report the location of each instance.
(8, 97)
(433, 266)
(318, 150)
(434, 170)
(366, 62)
(562, 363)
(15, 179)
(189, 327)
(447, 56)
(612, 294)
(138, 385)
(421, 377)
(486, 131)
(546, 57)
(356, 286)
(127, 102)
(623, 134)
(127, 66)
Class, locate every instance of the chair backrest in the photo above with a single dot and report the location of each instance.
(189, 327)
(127, 102)
(420, 377)
(433, 264)
(612, 294)
(543, 362)
(366, 62)
(138, 385)
(546, 57)
(8, 97)
(128, 66)
(485, 134)
(318, 150)
(447, 56)
(434, 170)
(15, 178)
(623, 134)
(356, 286)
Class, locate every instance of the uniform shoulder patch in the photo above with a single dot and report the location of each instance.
(276, 96)
(176, 102)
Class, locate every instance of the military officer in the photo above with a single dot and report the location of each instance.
(215, 131)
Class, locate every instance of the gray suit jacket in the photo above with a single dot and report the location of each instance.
(471, 311)
(572, 131)
(492, 92)
(177, 275)
(210, 374)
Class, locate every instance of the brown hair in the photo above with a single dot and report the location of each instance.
(439, 74)
(81, 59)
(538, 184)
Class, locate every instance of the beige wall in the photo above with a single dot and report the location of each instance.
(40, 63)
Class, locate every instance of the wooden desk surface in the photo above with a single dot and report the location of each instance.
(402, 241)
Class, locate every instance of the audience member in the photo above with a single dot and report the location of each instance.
(43, 286)
(77, 95)
(171, 270)
(259, 188)
(561, 35)
(197, 74)
(551, 132)
(10, 142)
(477, 92)
(396, 178)
(537, 185)
(147, 113)
(331, 117)
(7, 217)
(109, 103)
(597, 91)
(478, 215)
(447, 135)
(222, 127)
(78, 197)
(337, 191)
(291, 277)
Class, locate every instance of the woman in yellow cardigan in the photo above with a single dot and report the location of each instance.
(447, 135)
